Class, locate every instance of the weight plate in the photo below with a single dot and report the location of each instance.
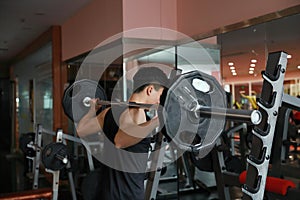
(54, 156)
(182, 124)
(74, 97)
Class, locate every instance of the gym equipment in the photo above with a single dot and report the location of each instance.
(184, 95)
(273, 184)
(282, 165)
(272, 98)
(55, 156)
(25, 139)
(195, 104)
(76, 98)
(188, 95)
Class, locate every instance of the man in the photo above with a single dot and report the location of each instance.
(127, 140)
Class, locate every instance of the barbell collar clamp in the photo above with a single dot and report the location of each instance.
(256, 117)
(86, 101)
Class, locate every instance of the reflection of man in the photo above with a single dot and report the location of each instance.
(126, 130)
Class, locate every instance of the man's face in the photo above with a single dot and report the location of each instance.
(154, 95)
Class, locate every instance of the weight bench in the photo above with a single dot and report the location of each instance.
(43, 193)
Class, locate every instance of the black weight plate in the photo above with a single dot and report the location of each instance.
(24, 140)
(75, 94)
(51, 155)
(181, 123)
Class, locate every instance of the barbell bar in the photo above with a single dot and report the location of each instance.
(249, 116)
(86, 102)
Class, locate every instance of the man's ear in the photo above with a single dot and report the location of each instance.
(149, 89)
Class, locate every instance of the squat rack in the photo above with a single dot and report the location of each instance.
(272, 98)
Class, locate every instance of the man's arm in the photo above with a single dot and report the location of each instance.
(90, 123)
(131, 131)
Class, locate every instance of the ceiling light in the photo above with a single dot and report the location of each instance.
(289, 56)
(251, 69)
(232, 67)
(252, 65)
(234, 74)
(251, 72)
(233, 71)
(230, 63)
(298, 66)
(253, 60)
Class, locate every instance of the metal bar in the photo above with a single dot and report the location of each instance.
(89, 156)
(70, 174)
(64, 136)
(156, 166)
(279, 149)
(129, 104)
(55, 184)
(250, 116)
(219, 168)
(37, 159)
(291, 102)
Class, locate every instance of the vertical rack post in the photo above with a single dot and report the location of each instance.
(263, 133)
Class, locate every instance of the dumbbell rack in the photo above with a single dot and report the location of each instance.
(271, 100)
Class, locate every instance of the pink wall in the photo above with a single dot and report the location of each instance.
(96, 22)
(149, 13)
(102, 19)
(195, 17)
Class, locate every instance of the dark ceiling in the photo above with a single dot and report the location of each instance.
(23, 21)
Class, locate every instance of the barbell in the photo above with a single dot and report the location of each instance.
(194, 104)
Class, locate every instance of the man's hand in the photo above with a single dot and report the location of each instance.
(90, 124)
(94, 107)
